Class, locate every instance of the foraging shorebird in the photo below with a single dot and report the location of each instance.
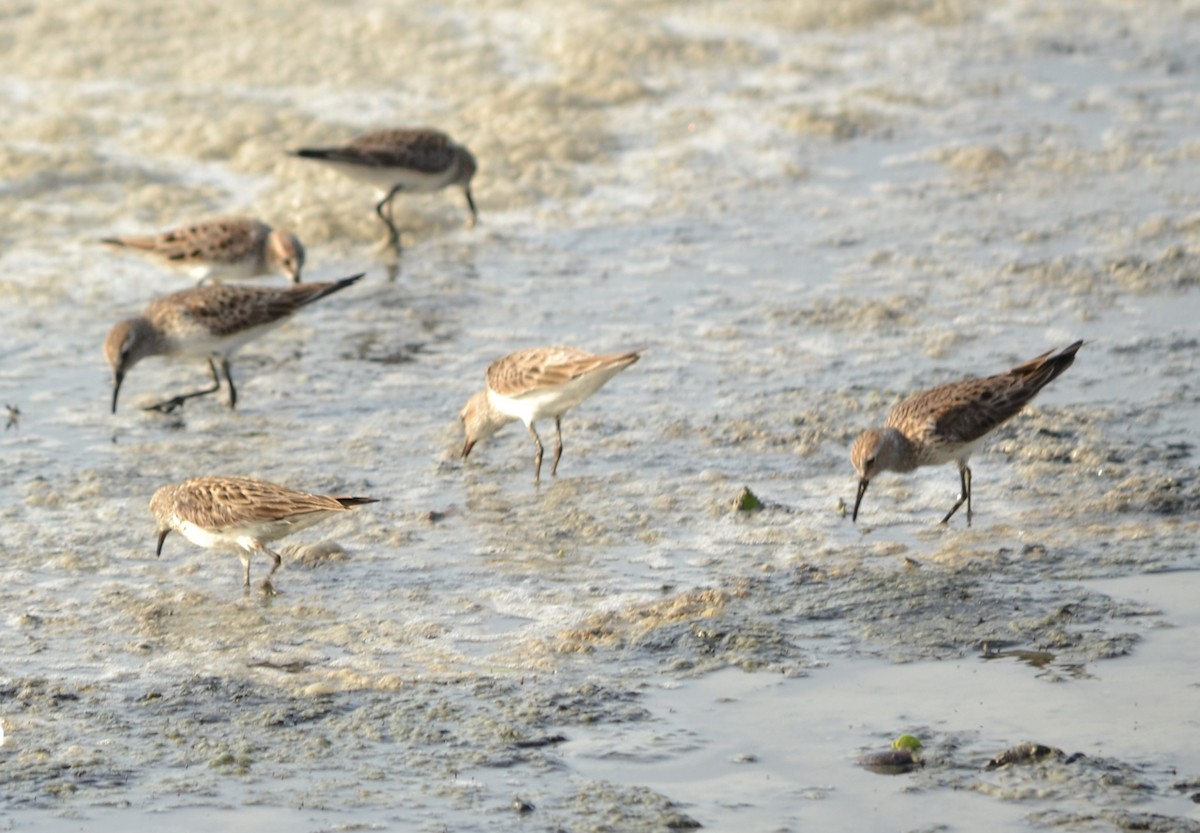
(209, 322)
(408, 159)
(241, 515)
(948, 423)
(533, 384)
(233, 248)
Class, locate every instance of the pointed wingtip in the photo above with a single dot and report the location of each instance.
(1063, 359)
(342, 283)
(307, 293)
(307, 153)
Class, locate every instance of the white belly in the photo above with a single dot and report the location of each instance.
(935, 454)
(552, 402)
(199, 342)
(249, 535)
(384, 179)
(206, 538)
(238, 270)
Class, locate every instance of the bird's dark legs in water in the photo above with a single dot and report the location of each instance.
(174, 402)
(964, 474)
(393, 233)
(471, 205)
(537, 458)
(557, 445)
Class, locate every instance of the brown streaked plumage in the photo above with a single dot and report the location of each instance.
(231, 247)
(209, 322)
(535, 383)
(241, 514)
(949, 422)
(406, 159)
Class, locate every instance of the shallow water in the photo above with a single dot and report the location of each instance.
(784, 749)
(803, 215)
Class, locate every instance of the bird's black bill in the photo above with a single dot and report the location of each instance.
(162, 536)
(467, 448)
(862, 490)
(118, 378)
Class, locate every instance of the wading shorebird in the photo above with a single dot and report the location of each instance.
(209, 322)
(233, 248)
(241, 515)
(536, 383)
(407, 159)
(948, 423)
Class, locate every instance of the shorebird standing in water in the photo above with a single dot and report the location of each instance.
(407, 159)
(241, 514)
(536, 383)
(232, 248)
(209, 322)
(948, 423)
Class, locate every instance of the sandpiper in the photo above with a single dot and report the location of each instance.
(209, 322)
(241, 514)
(232, 248)
(407, 159)
(948, 423)
(535, 383)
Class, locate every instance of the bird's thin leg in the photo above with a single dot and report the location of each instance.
(394, 235)
(245, 569)
(229, 379)
(537, 458)
(174, 402)
(277, 561)
(966, 483)
(964, 475)
(557, 445)
(471, 205)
